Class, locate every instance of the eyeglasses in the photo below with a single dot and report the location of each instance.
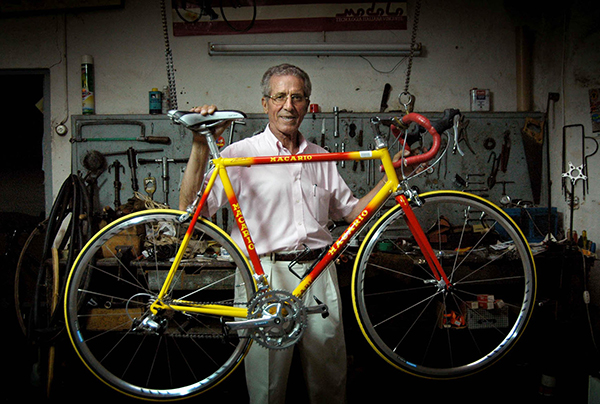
(280, 99)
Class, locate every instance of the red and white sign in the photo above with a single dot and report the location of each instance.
(294, 16)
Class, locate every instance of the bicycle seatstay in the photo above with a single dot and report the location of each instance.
(184, 243)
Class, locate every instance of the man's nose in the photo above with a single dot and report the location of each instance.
(288, 104)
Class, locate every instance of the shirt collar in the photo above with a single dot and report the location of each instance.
(278, 146)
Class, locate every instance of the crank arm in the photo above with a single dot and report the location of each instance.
(321, 308)
(251, 324)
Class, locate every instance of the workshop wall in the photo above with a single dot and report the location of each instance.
(467, 44)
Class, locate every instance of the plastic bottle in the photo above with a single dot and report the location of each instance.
(87, 85)
(155, 101)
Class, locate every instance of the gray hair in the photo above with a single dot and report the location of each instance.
(285, 70)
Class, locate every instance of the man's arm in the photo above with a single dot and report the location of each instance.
(364, 201)
(196, 166)
(193, 175)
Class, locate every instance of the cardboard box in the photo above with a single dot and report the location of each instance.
(131, 237)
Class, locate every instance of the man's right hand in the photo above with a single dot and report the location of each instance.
(209, 110)
(204, 109)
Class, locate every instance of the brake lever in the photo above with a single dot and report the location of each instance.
(456, 129)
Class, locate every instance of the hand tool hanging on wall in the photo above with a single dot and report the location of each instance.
(352, 129)
(505, 199)
(131, 154)
(584, 158)
(532, 135)
(150, 185)
(142, 138)
(336, 122)
(117, 183)
(385, 97)
(573, 174)
(505, 152)
(164, 161)
(95, 163)
(491, 181)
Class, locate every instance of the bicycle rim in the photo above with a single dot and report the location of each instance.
(115, 279)
(26, 275)
(429, 329)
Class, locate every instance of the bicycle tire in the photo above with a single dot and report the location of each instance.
(417, 324)
(26, 275)
(111, 285)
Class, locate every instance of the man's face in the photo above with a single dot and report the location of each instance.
(285, 115)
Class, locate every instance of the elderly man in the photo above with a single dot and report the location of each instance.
(289, 207)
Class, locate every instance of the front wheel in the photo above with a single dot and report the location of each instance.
(423, 326)
(115, 279)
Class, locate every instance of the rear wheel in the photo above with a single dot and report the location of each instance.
(430, 329)
(119, 274)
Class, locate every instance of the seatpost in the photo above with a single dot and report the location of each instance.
(213, 148)
(214, 153)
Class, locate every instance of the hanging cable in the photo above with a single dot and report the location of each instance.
(169, 58)
(413, 44)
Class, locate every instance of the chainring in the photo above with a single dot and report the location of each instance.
(284, 315)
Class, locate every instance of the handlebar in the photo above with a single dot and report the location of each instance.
(433, 127)
(195, 121)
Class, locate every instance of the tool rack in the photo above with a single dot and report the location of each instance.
(142, 138)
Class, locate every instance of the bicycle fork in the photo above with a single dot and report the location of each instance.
(417, 231)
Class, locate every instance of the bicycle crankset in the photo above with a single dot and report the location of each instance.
(282, 319)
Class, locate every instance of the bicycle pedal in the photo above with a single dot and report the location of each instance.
(320, 308)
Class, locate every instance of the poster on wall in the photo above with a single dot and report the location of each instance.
(230, 17)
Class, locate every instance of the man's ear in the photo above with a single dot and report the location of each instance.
(264, 104)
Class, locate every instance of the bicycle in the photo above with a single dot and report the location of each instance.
(157, 292)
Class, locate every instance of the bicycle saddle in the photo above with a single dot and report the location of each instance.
(194, 120)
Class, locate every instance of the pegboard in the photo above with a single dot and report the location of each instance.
(120, 143)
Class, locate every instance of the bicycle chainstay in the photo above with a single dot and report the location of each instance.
(184, 334)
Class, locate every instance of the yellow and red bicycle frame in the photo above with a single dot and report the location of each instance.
(391, 186)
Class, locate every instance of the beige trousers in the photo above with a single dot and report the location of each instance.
(322, 348)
